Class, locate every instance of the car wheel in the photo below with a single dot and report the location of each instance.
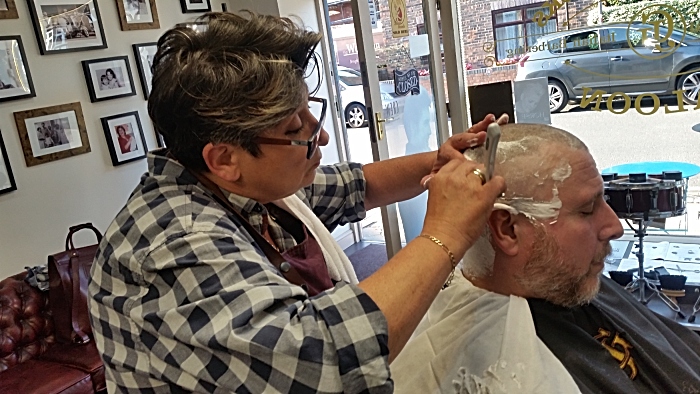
(690, 84)
(356, 115)
(558, 97)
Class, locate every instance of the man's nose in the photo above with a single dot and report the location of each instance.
(612, 228)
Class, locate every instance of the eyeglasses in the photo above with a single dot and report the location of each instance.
(312, 143)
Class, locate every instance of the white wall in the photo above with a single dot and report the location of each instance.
(268, 7)
(50, 197)
(34, 220)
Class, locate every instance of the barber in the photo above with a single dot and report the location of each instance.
(220, 274)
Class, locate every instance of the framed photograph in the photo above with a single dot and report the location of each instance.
(52, 133)
(108, 78)
(124, 137)
(65, 26)
(144, 54)
(195, 5)
(15, 78)
(138, 14)
(7, 180)
(8, 10)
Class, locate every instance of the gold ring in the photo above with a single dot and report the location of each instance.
(480, 174)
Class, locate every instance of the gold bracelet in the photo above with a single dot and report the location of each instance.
(449, 254)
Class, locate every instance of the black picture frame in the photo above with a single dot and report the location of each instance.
(108, 78)
(124, 150)
(143, 53)
(21, 86)
(5, 170)
(67, 30)
(195, 6)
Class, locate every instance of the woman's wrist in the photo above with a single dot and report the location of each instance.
(448, 252)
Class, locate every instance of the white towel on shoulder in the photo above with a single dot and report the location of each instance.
(339, 266)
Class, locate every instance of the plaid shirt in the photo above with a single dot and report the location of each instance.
(183, 300)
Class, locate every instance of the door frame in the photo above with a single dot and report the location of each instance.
(373, 103)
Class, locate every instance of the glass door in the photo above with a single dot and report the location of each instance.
(388, 100)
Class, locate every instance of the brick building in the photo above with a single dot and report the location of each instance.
(495, 33)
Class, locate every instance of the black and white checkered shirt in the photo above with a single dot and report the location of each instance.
(183, 300)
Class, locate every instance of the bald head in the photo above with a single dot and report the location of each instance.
(534, 160)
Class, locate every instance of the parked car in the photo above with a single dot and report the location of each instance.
(353, 99)
(603, 58)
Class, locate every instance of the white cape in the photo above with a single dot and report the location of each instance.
(474, 341)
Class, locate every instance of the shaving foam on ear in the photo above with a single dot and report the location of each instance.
(533, 210)
(503, 207)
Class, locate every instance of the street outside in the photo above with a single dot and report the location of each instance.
(612, 140)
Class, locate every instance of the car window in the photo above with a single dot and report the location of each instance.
(582, 42)
(554, 46)
(621, 38)
(350, 79)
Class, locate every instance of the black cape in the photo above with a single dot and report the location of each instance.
(617, 345)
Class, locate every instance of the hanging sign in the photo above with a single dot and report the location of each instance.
(373, 14)
(406, 82)
(399, 19)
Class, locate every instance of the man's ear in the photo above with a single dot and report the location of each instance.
(222, 160)
(503, 234)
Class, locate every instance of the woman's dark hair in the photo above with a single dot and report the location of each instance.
(110, 71)
(226, 79)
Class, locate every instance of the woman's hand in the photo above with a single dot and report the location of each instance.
(458, 204)
(455, 146)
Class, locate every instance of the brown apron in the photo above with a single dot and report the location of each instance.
(308, 260)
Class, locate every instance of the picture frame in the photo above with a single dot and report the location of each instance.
(108, 78)
(8, 9)
(61, 26)
(125, 138)
(137, 14)
(144, 53)
(7, 180)
(15, 78)
(195, 5)
(52, 133)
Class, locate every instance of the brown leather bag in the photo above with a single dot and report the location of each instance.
(69, 273)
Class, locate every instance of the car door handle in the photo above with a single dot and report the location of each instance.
(616, 58)
(569, 61)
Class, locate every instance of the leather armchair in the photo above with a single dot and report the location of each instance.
(30, 359)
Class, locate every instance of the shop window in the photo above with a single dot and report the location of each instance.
(425, 60)
(514, 30)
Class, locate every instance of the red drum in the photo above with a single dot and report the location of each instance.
(640, 197)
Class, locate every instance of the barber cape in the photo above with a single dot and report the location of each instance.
(474, 341)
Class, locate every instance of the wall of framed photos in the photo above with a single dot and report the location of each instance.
(74, 147)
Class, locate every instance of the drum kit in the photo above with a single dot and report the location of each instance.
(642, 198)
